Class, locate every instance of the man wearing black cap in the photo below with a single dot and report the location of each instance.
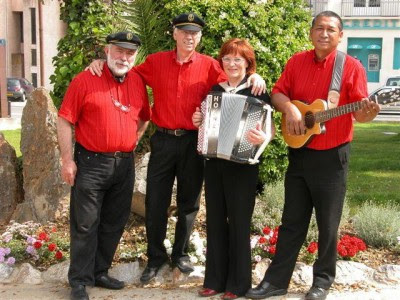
(180, 80)
(110, 113)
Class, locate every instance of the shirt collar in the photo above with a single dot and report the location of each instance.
(233, 90)
(194, 56)
(331, 56)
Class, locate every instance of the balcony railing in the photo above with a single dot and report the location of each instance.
(317, 6)
(370, 8)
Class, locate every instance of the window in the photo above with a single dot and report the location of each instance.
(33, 25)
(359, 3)
(374, 3)
(34, 80)
(34, 57)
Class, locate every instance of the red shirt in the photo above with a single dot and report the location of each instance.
(178, 88)
(100, 126)
(306, 79)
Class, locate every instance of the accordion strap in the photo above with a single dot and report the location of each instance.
(336, 81)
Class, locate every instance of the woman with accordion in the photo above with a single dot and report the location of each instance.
(230, 188)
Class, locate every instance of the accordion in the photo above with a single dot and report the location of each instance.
(227, 119)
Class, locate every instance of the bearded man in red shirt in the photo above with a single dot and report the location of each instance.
(316, 175)
(180, 80)
(109, 113)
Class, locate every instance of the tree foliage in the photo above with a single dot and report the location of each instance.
(88, 22)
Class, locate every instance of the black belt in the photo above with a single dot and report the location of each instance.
(116, 154)
(175, 132)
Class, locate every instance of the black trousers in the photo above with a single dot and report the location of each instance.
(314, 179)
(230, 196)
(100, 206)
(172, 156)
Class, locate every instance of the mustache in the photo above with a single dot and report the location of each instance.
(125, 63)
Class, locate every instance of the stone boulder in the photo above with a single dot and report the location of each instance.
(388, 274)
(139, 191)
(25, 273)
(11, 192)
(350, 272)
(43, 185)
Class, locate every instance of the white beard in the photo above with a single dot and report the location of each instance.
(116, 69)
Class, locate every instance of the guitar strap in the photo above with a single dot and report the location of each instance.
(336, 81)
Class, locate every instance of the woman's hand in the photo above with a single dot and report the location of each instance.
(96, 67)
(256, 136)
(258, 84)
(197, 117)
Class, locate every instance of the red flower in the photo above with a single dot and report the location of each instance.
(43, 236)
(54, 229)
(37, 245)
(272, 250)
(59, 254)
(273, 240)
(52, 247)
(266, 230)
(262, 240)
(313, 247)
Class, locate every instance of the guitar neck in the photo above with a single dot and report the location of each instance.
(325, 115)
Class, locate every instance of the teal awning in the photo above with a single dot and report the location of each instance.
(374, 47)
(354, 46)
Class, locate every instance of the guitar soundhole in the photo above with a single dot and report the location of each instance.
(309, 120)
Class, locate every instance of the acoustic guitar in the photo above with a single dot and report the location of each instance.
(315, 114)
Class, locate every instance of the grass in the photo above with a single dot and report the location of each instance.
(14, 138)
(374, 172)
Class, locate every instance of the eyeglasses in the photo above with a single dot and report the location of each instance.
(190, 32)
(236, 60)
(119, 105)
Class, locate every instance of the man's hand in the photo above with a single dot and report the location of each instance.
(96, 67)
(258, 84)
(368, 112)
(256, 136)
(294, 121)
(68, 171)
(197, 117)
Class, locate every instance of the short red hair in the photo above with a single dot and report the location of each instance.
(243, 48)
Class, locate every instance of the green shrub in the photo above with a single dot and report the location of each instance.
(269, 208)
(378, 226)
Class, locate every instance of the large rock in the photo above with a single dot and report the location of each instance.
(139, 192)
(350, 272)
(43, 185)
(302, 274)
(11, 192)
(388, 274)
(25, 273)
(128, 273)
(57, 273)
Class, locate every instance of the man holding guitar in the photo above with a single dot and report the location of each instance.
(317, 172)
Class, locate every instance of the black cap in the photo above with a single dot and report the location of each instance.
(189, 21)
(124, 39)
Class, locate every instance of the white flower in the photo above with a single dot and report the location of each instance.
(252, 14)
(253, 242)
(167, 243)
(261, 1)
(398, 239)
(202, 258)
(227, 32)
(257, 258)
(193, 259)
(223, 15)
(199, 252)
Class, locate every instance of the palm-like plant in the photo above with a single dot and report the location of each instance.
(147, 19)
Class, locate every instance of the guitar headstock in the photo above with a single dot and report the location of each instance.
(386, 97)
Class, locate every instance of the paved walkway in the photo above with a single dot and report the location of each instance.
(55, 292)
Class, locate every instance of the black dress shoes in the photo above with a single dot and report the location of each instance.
(184, 266)
(316, 293)
(149, 273)
(105, 281)
(265, 290)
(79, 293)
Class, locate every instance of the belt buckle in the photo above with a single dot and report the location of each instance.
(178, 132)
(117, 154)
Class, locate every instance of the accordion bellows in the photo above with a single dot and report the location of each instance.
(227, 118)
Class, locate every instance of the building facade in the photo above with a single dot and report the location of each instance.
(371, 34)
(30, 31)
